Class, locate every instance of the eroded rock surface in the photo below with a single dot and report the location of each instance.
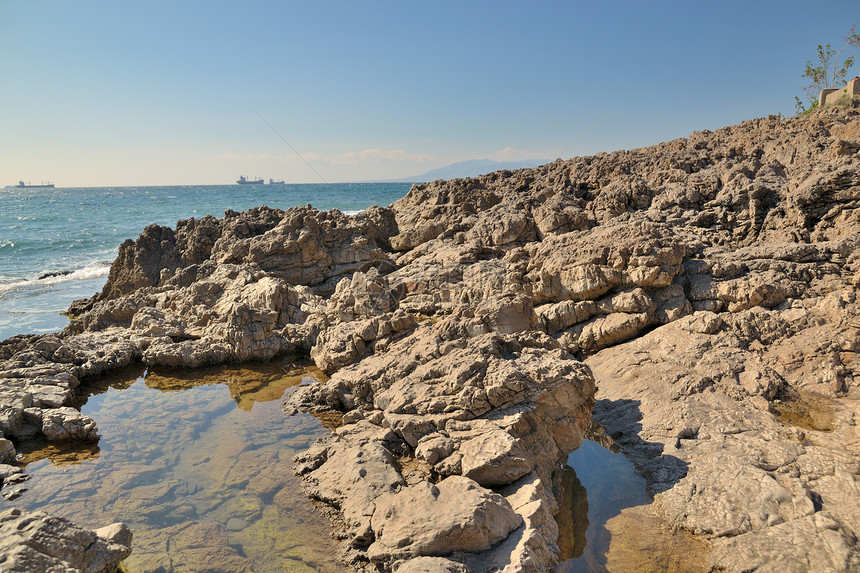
(35, 541)
(454, 402)
(709, 284)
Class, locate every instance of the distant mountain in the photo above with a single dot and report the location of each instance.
(471, 168)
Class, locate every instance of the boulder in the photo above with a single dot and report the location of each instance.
(35, 541)
(424, 519)
(63, 424)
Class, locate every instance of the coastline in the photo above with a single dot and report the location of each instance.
(55, 256)
(705, 286)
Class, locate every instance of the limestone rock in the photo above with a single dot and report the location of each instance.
(827, 546)
(61, 424)
(424, 519)
(431, 565)
(297, 245)
(531, 547)
(472, 402)
(493, 458)
(353, 478)
(7, 451)
(35, 541)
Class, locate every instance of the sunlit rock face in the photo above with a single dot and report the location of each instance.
(708, 284)
(36, 541)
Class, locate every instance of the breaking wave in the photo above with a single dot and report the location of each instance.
(93, 270)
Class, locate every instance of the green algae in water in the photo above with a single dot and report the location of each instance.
(199, 465)
(804, 409)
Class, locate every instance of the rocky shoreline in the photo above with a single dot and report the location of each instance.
(697, 297)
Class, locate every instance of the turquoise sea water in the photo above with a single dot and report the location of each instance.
(76, 232)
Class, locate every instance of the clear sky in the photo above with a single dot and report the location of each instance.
(99, 93)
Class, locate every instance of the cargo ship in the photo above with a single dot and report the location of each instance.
(243, 181)
(22, 185)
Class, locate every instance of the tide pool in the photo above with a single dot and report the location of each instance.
(198, 464)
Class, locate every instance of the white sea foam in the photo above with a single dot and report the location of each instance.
(93, 270)
(13, 284)
(353, 211)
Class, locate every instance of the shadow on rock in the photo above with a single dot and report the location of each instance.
(621, 420)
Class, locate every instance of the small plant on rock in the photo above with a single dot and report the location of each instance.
(830, 71)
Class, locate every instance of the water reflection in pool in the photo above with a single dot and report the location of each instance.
(198, 464)
(598, 484)
(606, 523)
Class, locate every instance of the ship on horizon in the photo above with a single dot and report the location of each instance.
(243, 181)
(28, 185)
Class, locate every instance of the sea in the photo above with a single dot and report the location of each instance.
(57, 245)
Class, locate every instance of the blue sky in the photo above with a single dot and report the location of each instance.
(98, 93)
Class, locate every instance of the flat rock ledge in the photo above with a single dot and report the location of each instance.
(35, 541)
(705, 289)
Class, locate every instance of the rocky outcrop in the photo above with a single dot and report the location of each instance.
(454, 402)
(300, 246)
(735, 444)
(706, 286)
(35, 541)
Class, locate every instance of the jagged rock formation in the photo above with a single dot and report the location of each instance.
(707, 285)
(35, 541)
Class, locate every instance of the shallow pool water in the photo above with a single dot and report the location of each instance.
(198, 464)
(596, 485)
(606, 523)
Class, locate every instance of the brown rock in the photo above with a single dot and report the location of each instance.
(35, 541)
(455, 515)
